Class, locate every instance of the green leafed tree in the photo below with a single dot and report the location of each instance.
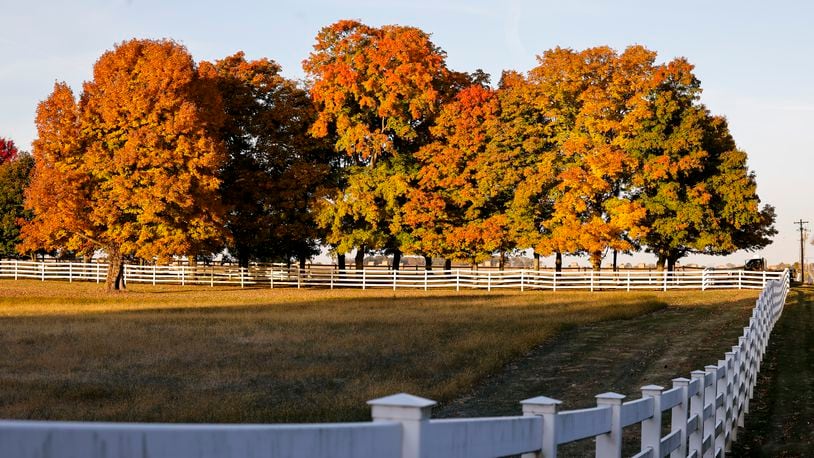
(15, 174)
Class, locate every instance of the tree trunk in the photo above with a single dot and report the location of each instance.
(501, 264)
(396, 259)
(671, 262)
(242, 259)
(474, 265)
(115, 272)
(302, 258)
(360, 257)
(193, 265)
(427, 262)
(447, 264)
(558, 261)
(536, 261)
(340, 261)
(660, 261)
(615, 268)
(596, 260)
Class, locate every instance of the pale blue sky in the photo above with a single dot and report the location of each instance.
(754, 58)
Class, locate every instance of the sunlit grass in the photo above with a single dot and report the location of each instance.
(71, 351)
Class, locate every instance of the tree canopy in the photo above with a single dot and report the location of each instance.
(382, 148)
(131, 167)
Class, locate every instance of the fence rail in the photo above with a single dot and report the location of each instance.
(706, 411)
(317, 276)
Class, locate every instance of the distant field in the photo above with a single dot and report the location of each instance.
(199, 354)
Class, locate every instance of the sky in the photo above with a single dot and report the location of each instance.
(754, 60)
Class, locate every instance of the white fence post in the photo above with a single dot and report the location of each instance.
(697, 403)
(395, 272)
(488, 281)
(98, 273)
(651, 427)
(15, 268)
(457, 279)
(720, 407)
(730, 406)
(665, 279)
(521, 281)
(546, 408)
(412, 412)
(42, 270)
(425, 280)
(70, 272)
(609, 445)
(710, 398)
(363, 279)
(678, 417)
(592, 280)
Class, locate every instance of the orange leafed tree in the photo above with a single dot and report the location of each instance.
(132, 167)
(377, 91)
(457, 209)
(591, 99)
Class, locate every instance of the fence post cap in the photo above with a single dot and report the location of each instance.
(401, 406)
(402, 400)
(540, 405)
(541, 401)
(711, 367)
(609, 398)
(681, 381)
(651, 390)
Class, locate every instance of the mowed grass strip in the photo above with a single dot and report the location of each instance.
(199, 354)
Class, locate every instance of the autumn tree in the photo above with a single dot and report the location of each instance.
(15, 175)
(458, 208)
(8, 150)
(589, 99)
(132, 167)
(274, 167)
(693, 182)
(377, 91)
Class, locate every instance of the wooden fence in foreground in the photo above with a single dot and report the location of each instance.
(705, 413)
(324, 276)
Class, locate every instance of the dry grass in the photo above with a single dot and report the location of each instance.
(71, 351)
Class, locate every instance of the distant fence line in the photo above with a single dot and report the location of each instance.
(324, 276)
(706, 411)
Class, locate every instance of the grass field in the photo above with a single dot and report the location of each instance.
(172, 354)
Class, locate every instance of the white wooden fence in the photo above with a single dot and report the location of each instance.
(705, 410)
(325, 276)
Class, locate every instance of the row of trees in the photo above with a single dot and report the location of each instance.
(386, 149)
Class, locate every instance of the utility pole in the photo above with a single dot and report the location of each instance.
(802, 230)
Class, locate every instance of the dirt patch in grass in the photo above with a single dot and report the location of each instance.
(781, 417)
(176, 354)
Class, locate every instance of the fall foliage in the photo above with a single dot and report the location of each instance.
(383, 148)
(377, 91)
(132, 167)
(8, 150)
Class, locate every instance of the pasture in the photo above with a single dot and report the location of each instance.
(200, 354)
